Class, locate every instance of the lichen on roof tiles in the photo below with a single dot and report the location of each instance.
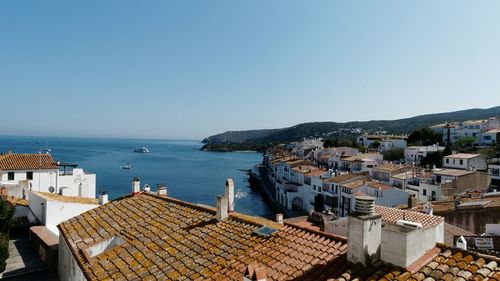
(168, 239)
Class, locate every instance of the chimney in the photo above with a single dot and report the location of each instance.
(222, 207)
(255, 272)
(364, 232)
(103, 198)
(412, 201)
(147, 188)
(136, 186)
(428, 208)
(279, 218)
(162, 190)
(229, 194)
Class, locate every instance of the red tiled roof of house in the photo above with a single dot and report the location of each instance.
(354, 184)
(443, 264)
(393, 215)
(10, 162)
(315, 173)
(170, 239)
(378, 185)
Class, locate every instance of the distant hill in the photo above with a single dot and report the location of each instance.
(259, 138)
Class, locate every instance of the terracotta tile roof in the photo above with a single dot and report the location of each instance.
(343, 178)
(168, 239)
(392, 215)
(26, 162)
(354, 184)
(378, 185)
(391, 167)
(363, 157)
(315, 173)
(443, 263)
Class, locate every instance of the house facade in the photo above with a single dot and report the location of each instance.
(415, 154)
(465, 161)
(22, 173)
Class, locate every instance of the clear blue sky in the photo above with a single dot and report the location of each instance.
(189, 69)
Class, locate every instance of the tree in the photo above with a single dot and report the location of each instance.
(465, 144)
(425, 136)
(433, 158)
(328, 143)
(375, 144)
(6, 214)
(447, 151)
(395, 154)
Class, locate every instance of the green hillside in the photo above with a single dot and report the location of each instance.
(234, 140)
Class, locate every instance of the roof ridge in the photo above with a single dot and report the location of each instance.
(200, 207)
(254, 220)
(321, 233)
(468, 252)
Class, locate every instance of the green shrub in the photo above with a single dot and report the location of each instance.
(6, 214)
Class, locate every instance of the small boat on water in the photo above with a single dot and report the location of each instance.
(142, 150)
(45, 151)
(128, 166)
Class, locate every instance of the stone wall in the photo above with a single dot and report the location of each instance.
(471, 220)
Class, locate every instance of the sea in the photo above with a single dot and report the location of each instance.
(190, 174)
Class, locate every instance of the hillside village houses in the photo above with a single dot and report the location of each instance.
(385, 142)
(485, 131)
(415, 154)
(330, 178)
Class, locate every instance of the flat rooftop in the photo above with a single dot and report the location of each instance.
(62, 198)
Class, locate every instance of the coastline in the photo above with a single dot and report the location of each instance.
(261, 183)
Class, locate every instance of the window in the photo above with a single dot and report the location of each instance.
(487, 137)
(447, 160)
(29, 175)
(424, 192)
(461, 162)
(10, 176)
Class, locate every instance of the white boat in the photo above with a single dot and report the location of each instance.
(45, 151)
(128, 166)
(142, 150)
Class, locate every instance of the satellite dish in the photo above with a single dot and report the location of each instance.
(51, 189)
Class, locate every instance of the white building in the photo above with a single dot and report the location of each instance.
(361, 163)
(22, 173)
(448, 130)
(393, 141)
(482, 130)
(384, 195)
(414, 154)
(465, 161)
(389, 144)
(494, 168)
(490, 137)
(51, 209)
(425, 189)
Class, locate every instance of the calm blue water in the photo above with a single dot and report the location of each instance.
(190, 174)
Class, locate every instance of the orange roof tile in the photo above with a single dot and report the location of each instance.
(26, 162)
(441, 263)
(315, 173)
(381, 186)
(392, 215)
(168, 239)
(354, 184)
